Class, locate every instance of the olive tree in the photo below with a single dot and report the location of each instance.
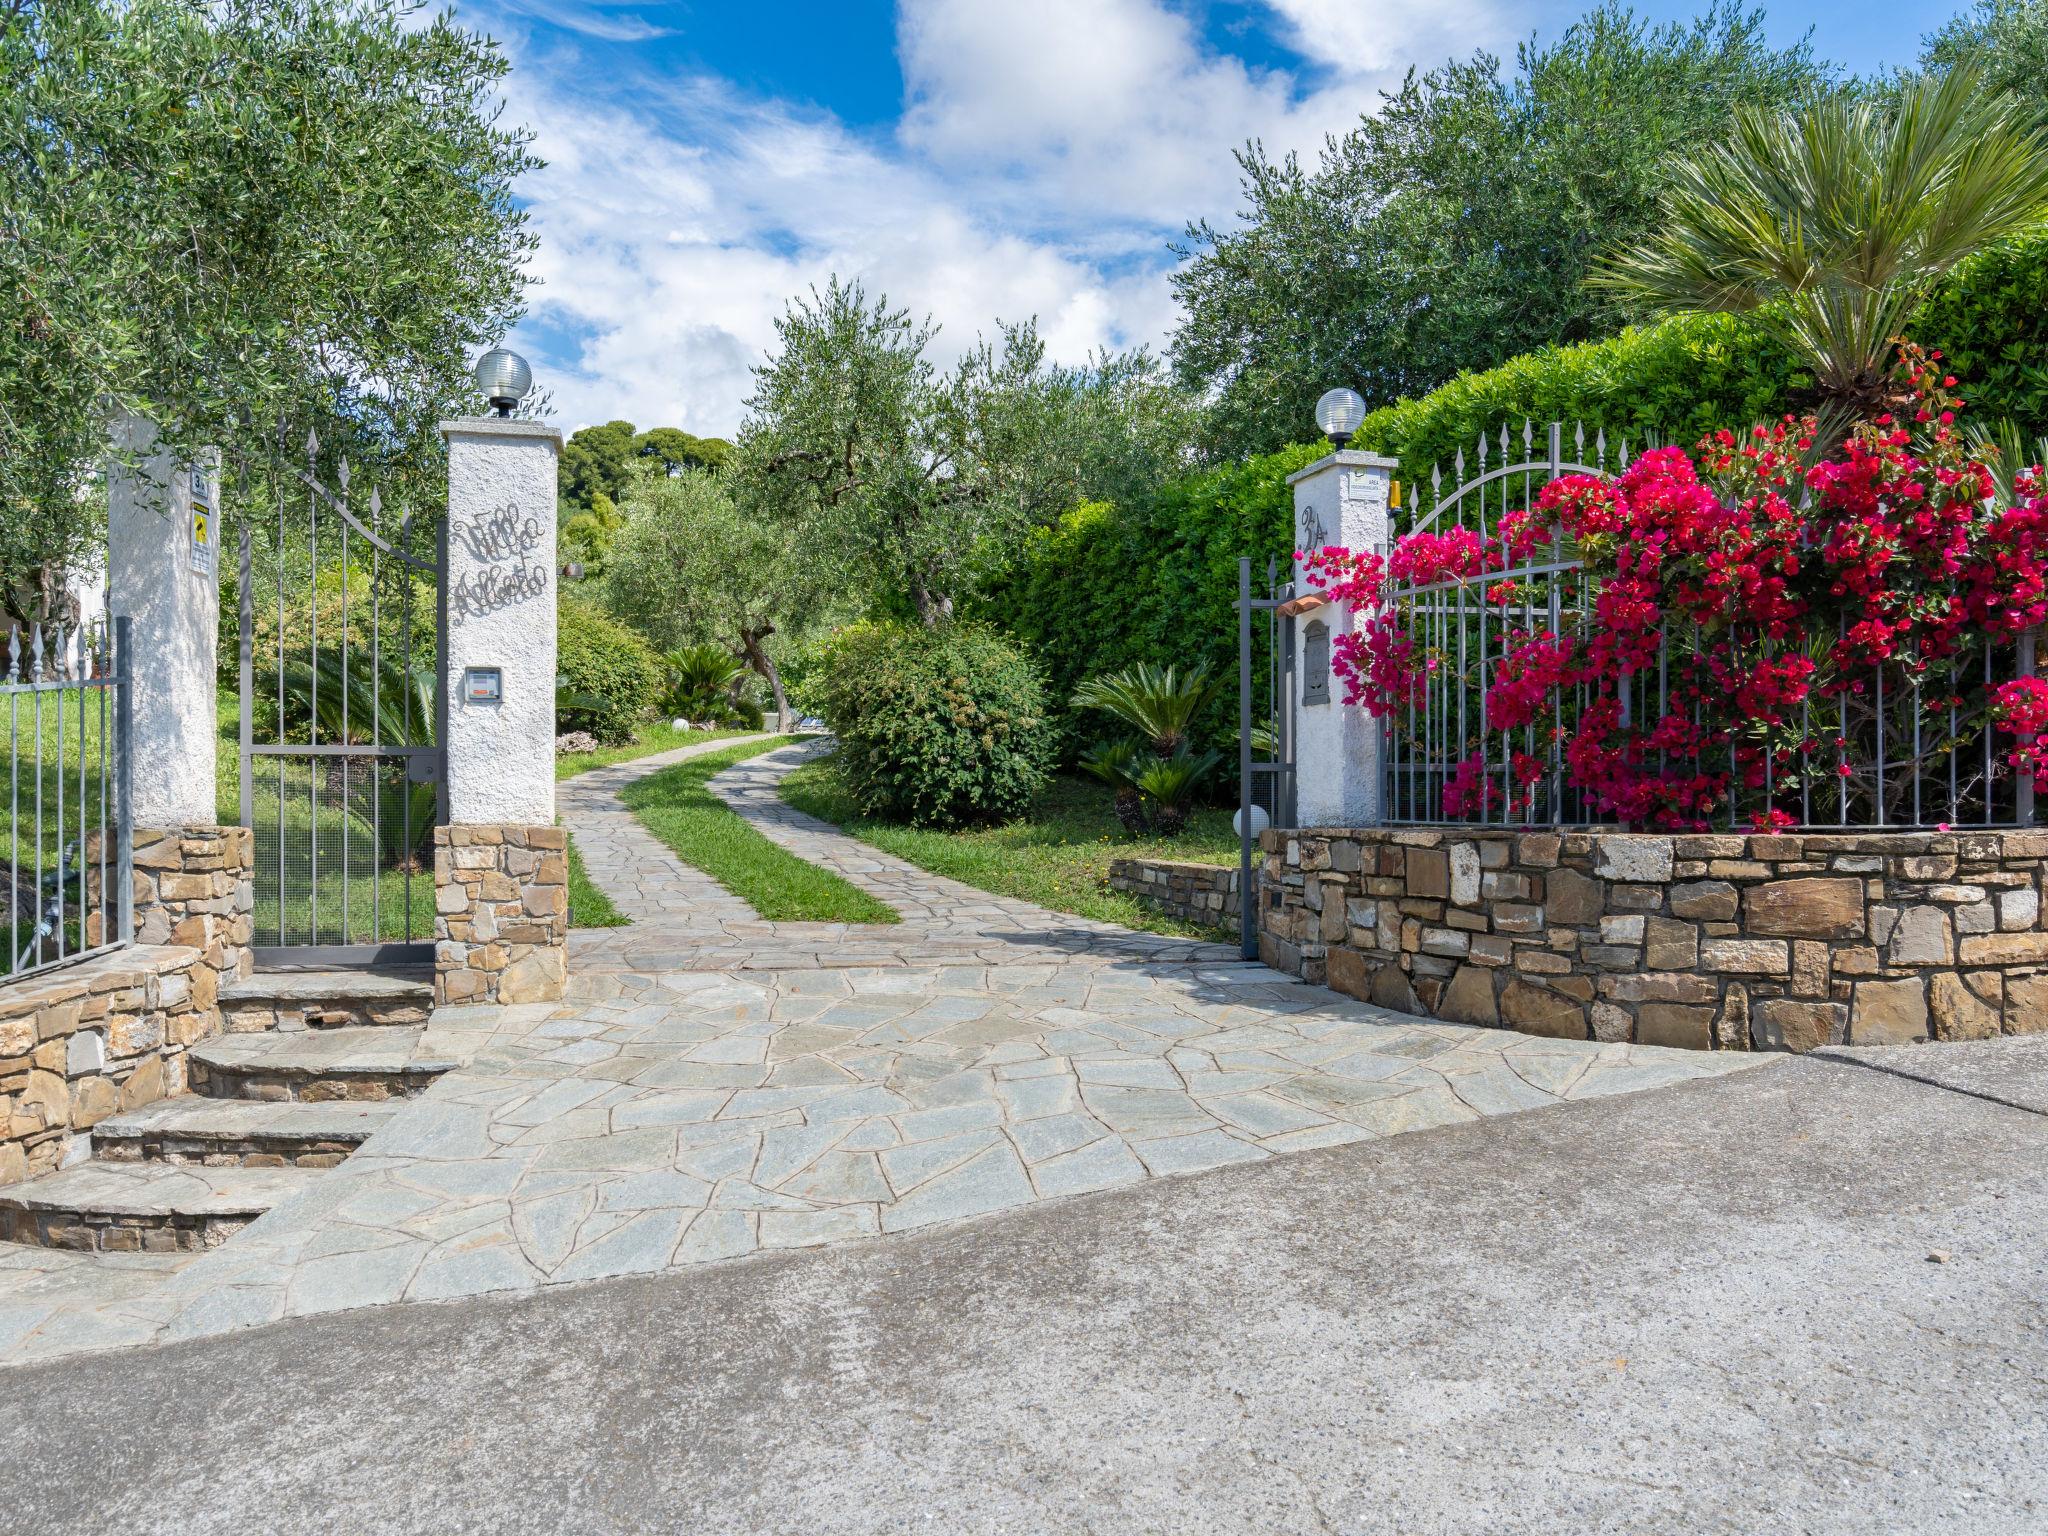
(223, 214)
(689, 564)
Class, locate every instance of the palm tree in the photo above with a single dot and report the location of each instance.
(1829, 226)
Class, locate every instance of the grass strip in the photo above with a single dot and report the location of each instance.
(676, 805)
(655, 736)
(1056, 855)
(589, 907)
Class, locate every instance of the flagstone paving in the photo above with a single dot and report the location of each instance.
(678, 1114)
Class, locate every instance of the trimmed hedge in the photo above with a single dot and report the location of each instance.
(614, 674)
(936, 727)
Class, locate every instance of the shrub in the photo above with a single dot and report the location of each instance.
(936, 726)
(609, 676)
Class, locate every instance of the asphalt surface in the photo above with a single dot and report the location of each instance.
(1710, 1308)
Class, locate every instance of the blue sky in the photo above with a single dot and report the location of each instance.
(975, 159)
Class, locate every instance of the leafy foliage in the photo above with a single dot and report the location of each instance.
(610, 677)
(912, 478)
(2006, 39)
(218, 214)
(699, 678)
(1161, 704)
(601, 463)
(691, 565)
(938, 726)
(1454, 227)
(1151, 580)
(1830, 226)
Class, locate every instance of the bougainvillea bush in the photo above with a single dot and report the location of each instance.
(1749, 634)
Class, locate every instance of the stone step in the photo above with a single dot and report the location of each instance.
(316, 1065)
(142, 1207)
(341, 999)
(250, 1132)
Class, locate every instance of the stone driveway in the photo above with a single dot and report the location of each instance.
(716, 1085)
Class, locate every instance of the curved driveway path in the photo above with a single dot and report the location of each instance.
(684, 921)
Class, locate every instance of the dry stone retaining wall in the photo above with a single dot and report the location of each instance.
(501, 895)
(1781, 942)
(86, 1041)
(1195, 893)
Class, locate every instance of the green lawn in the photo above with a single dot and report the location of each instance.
(589, 907)
(658, 736)
(1056, 855)
(676, 807)
(46, 753)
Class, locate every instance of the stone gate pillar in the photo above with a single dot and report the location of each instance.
(500, 865)
(163, 572)
(1342, 499)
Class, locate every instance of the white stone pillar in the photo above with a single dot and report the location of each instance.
(501, 622)
(163, 571)
(501, 900)
(1340, 499)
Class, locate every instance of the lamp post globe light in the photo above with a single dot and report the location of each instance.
(504, 378)
(1338, 414)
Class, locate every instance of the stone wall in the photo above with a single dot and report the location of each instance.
(86, 1041)
(1194, 893)
(501, 897)
(1783, 942)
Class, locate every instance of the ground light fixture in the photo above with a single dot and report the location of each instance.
(504, 378)
(1338, 414)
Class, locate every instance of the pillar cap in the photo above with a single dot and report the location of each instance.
(501, 426)
(1343, 458)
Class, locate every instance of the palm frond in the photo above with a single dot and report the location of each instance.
(1829, 226)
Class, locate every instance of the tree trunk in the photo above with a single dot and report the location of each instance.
(933, 608)
(759, 660)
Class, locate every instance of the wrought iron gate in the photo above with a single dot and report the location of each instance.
(1265, 726)
(343, 715)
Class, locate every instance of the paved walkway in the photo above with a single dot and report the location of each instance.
(715, 1085)
(685, 921)
(1708, 1310)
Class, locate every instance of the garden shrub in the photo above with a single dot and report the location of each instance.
(610, 677)
(937, 727)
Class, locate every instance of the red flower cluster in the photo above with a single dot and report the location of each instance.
(1749, 597)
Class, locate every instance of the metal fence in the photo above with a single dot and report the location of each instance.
(68, 848)
(1885, 746)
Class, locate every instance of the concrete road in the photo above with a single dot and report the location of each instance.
(1706, 1309)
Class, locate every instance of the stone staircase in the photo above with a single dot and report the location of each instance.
(309, 1069)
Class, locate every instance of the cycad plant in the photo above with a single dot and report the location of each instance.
(1829, 226)
(1118, 764)
(1159, 703)
(699, 677)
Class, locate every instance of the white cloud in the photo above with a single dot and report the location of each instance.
(1048, 155)
(1386, 36)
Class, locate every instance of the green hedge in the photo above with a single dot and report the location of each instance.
(936, 727)
(611, 673)
(1107, 587)
(1990, 321)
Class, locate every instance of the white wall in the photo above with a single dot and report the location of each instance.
(1340, 499)
(501, 613)
(174, 614)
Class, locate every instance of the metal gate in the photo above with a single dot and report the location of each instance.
(343, 715)
(1265, 725)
